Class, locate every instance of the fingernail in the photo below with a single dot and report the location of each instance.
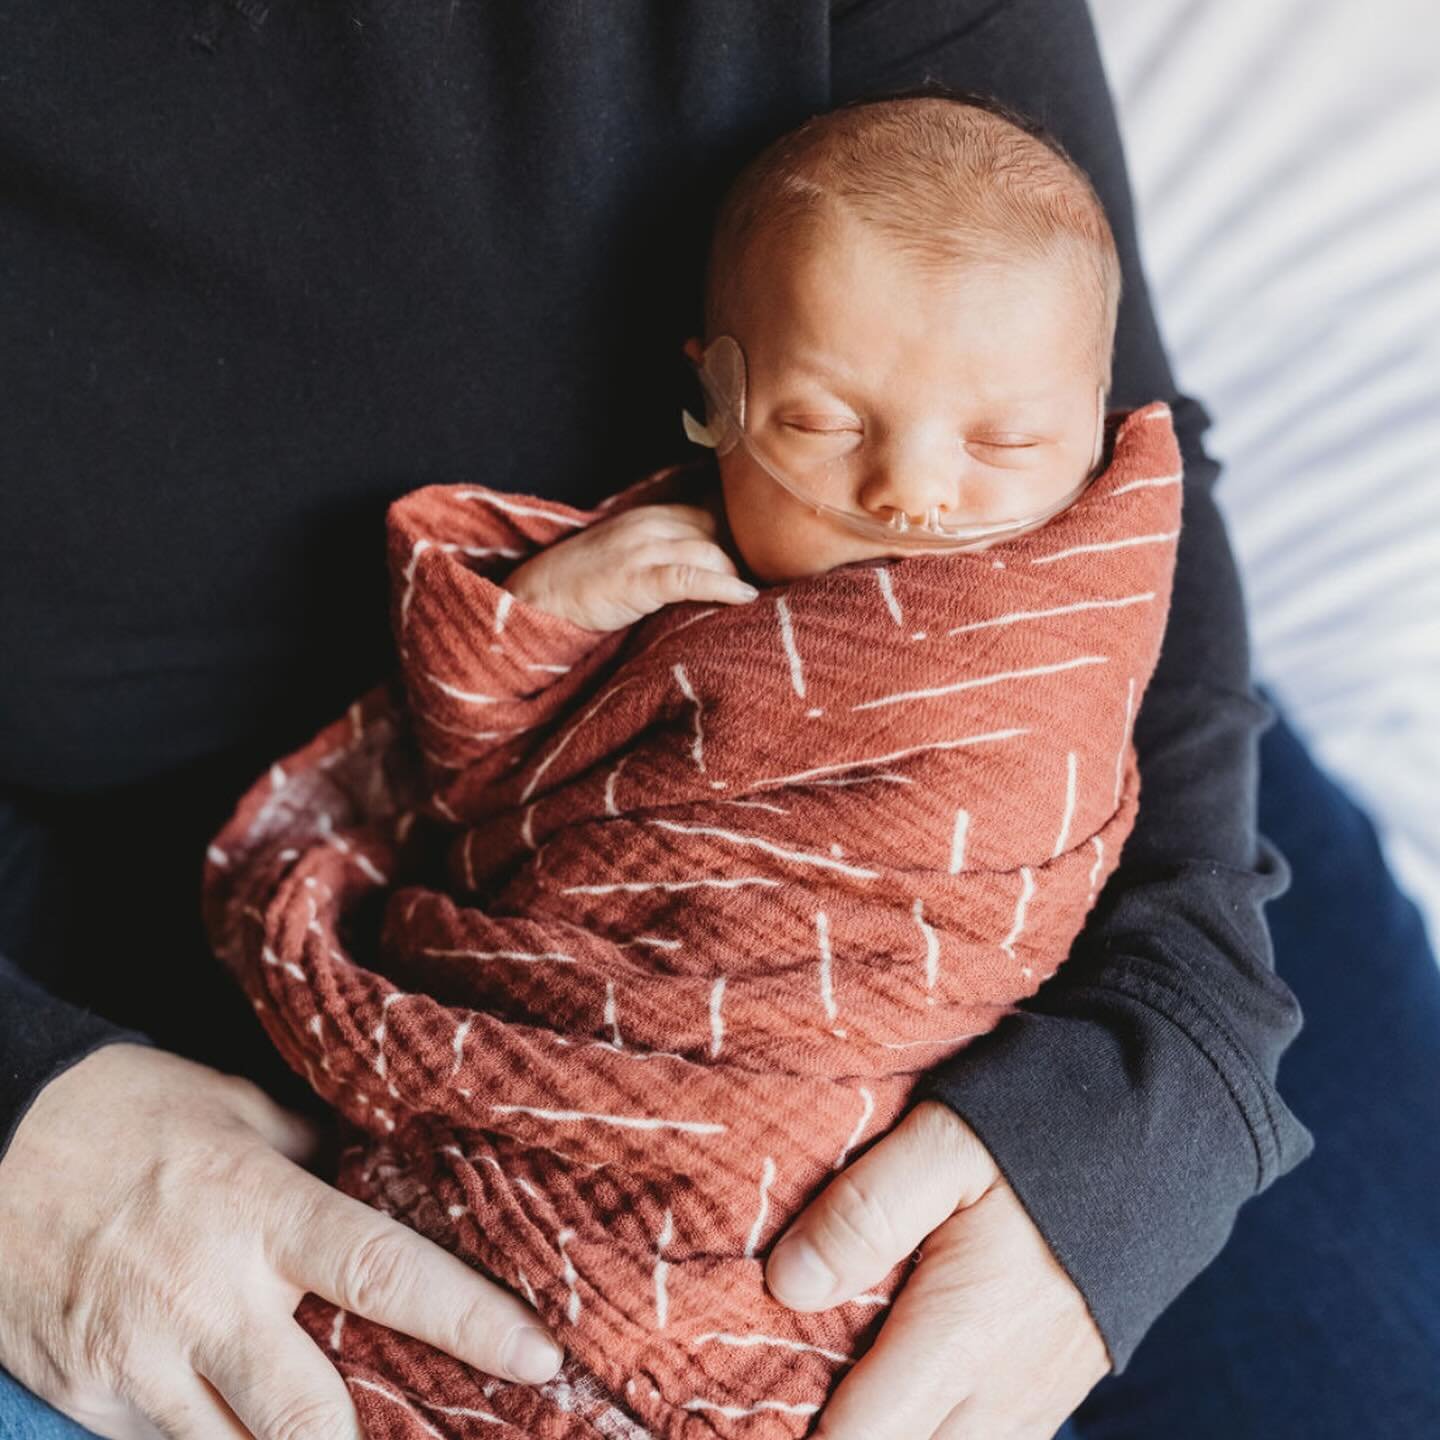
(530, 1355)
(749, 591)
(798, 1276)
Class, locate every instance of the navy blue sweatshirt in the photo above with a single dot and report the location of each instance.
(266, 265)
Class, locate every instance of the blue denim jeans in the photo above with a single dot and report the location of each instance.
(1321, 1318)
(24, 1416)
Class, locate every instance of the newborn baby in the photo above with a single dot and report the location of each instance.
(642, 907)
(904, 322)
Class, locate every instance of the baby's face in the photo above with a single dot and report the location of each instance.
(975, 393)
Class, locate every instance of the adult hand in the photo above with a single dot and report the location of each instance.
(157, 1231)
(988, 1339)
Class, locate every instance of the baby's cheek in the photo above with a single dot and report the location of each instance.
(780, 546)
(778, 537)
(747, 513)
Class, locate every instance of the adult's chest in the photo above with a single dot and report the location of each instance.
(254, 291)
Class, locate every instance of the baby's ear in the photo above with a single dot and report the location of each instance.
(694, 349)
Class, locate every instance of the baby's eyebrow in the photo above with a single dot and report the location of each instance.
(812, 360)
(1018, 409)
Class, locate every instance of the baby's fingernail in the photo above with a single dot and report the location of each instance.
(748, 591)
(530, 1355)
(798, 1276)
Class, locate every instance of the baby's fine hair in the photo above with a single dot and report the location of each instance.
(952, 178)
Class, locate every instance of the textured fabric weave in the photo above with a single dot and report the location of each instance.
(614, 948)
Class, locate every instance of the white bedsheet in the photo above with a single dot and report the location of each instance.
(1287, 178)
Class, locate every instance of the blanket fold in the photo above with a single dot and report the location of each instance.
(612, 950)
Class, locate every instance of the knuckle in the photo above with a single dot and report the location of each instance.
(242, 1098)
(225, 1165)
(170, 1414)
(218, 1193)
(102, 1353)
(856, 1220)
(944, 1133)
(698, 554)
(961, 1361)
(94, 1339)
(474, 1328)
(644, 519)
(67, 1393)
(376, 1272)
(307, 1417)
(240, 1087)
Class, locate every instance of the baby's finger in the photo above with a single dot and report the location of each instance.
(670, 584)
(680, 519)
(702, 554)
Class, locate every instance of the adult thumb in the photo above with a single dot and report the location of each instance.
(880, 1209)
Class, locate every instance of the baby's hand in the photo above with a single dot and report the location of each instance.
(628, 565)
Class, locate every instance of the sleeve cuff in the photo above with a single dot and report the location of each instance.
(1129, 1136)
(40, 1038)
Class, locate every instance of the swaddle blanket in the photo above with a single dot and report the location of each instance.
(613, 949)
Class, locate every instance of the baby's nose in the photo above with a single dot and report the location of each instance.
(918, 486)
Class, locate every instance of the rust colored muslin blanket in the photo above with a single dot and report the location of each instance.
(612, 949)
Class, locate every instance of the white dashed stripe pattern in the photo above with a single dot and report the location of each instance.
(678, 915)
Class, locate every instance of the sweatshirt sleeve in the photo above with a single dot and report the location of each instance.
(1132, 1103)
(41, 1035)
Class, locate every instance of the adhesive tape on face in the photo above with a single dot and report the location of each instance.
(722, 372)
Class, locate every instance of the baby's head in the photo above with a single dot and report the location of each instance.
(923, 293)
